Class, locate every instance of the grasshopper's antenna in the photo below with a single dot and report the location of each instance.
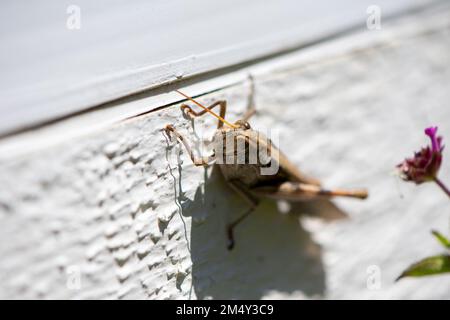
(208, 110)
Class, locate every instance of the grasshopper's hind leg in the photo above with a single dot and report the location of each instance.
(202, 161)
(223, 109)
(294, 191)
(252, 201)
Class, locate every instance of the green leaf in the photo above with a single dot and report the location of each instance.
(443, 240)
(428, 266)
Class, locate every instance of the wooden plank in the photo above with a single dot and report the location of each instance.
(49, 71)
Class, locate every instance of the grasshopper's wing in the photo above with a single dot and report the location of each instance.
(287, 168)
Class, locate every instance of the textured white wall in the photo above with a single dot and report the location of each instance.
(119, 210)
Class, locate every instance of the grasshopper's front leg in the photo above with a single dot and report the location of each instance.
(223, 109)
(202, 161)
(251, 110)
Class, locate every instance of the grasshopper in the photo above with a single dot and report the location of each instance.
(245, 178)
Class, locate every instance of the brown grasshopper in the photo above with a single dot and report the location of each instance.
(246, 178)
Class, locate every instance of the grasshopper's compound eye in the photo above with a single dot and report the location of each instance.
(243, 124)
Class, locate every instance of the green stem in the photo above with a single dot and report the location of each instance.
(443, 186)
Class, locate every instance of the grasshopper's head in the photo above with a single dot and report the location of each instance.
(243, 125)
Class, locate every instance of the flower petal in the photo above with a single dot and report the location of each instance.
(431, 132)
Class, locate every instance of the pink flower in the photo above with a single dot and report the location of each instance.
(425, 164)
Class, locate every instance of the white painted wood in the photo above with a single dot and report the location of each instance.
(116, 208)
(49, 71)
